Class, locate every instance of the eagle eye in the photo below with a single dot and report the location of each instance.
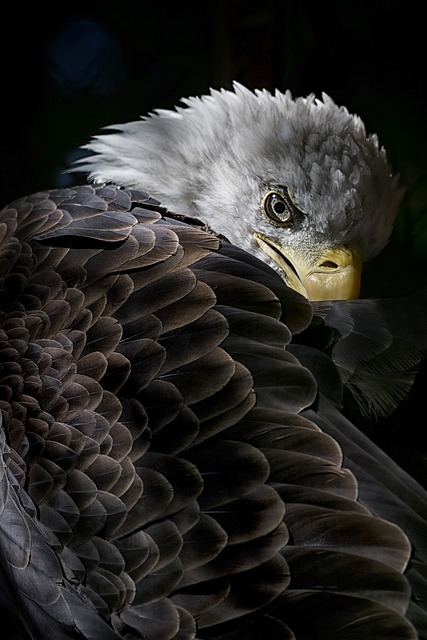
(278, 208)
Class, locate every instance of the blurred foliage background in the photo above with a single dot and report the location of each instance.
(68, 71)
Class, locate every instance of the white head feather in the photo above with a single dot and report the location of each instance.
(214, 159)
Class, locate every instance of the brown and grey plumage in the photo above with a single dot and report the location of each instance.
(175, 462)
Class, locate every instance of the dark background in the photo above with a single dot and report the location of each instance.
(68, 72)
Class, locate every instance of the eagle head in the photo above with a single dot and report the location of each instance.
(297, 182)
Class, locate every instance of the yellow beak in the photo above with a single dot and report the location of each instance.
(329, 274)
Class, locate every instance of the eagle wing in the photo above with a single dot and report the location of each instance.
(169, 468)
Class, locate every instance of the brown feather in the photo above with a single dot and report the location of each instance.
(169, 468)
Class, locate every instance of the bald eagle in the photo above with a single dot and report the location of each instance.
(176, 342)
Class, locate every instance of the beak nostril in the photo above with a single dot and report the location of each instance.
(328, 264)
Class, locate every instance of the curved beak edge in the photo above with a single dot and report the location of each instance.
(342, 284)
(333, 274)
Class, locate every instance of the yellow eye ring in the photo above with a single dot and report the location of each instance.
(278, 208)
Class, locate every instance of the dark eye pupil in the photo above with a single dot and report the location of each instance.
(279, 207)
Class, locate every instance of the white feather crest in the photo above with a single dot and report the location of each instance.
(209, 157)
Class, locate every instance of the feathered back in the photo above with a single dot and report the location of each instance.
(163, 470)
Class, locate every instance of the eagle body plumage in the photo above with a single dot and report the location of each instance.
(175, 462)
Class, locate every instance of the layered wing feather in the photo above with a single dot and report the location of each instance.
(169, 469)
